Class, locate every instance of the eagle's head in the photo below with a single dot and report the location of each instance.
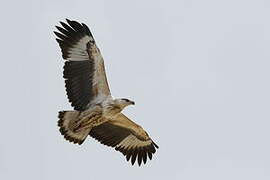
(123, 102)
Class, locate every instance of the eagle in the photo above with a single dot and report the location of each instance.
(96, 112)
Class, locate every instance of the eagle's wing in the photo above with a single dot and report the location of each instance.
(84, 67)
(127, 137)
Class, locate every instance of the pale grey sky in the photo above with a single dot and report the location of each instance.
(197, 70)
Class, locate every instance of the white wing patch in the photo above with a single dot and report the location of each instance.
(78, 52)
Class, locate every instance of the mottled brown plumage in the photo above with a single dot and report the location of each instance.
(96, 113)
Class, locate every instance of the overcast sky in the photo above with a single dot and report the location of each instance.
(197, 70)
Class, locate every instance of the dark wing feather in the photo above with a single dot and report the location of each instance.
(124, 140)
(108, 134)
(82, 67)
(78, 83)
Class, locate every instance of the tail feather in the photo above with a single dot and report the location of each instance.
(67, 121)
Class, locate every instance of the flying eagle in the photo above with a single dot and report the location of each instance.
(96, 112)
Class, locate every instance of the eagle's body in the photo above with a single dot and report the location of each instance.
(96, 112)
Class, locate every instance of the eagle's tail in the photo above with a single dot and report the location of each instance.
(67, 122)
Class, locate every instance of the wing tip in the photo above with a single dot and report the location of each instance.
(155, 144)
(68, 21)
(140, 155)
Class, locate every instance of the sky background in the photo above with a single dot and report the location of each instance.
(197, 70)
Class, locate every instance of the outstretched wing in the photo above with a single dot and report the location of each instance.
(127, 137)
(84, 70)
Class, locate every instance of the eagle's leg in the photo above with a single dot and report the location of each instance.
(87, 123)
(89, 119)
